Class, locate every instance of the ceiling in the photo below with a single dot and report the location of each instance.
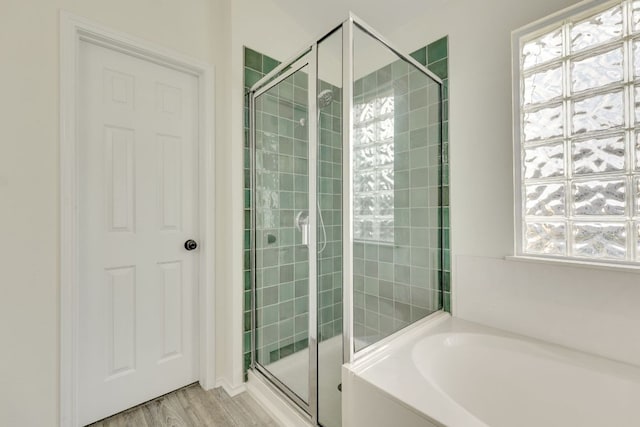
(386, 16)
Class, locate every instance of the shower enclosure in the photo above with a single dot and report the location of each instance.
(346, 225)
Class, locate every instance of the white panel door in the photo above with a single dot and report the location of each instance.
(138, 205)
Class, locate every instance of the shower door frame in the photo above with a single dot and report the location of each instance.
(348, 346)
(282, 71)
(307, 58)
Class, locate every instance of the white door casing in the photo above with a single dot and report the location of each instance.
(138, 174)
(132, 191)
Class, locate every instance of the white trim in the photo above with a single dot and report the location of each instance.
(347, 191)
(573, 10)
(309, 60)
(313, 207)
(72, 30)
(229, 388)
(275, 404)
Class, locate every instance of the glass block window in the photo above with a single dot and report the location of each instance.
(373, 169)
(579, 136)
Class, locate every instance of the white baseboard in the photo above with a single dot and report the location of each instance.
(280, 410)
(229, 388)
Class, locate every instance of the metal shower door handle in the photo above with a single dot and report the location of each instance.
(302, 224)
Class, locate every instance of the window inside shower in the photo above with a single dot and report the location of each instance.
(373, 140)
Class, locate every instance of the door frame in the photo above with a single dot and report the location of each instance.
(308, 59)
(74, 29)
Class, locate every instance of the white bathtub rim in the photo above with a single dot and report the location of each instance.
(389, 345)
(419, 328)
(592, 381)
(555, 352)
(450, 412)
(373, 354)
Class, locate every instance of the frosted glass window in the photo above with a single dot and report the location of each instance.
(544, 123)
(599, 154)
(545, 199)
(544, 161)
(604, 240)
(543, 49)
(596, 71)
(636, 58)
(598, 112)
(597, 29)
(635, 19)
(546, 238)
(599, 197)
(373, 172)
(579, 136)
(543, 86)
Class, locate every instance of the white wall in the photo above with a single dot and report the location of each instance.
(215, 31)
(265, 27)
(480, 112)
(210, 30)
(29, 191)
(592, 310)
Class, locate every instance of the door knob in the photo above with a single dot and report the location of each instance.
(190, 245)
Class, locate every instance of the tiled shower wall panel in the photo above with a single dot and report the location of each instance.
(435, 57)
(437, 54)
(330, 209)
(256, 66)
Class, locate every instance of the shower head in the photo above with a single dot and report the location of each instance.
(325, 98)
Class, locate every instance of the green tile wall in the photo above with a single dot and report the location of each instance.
(436, 57)
(330, 206)
(256, 66)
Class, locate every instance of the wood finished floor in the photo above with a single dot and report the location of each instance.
(193, 407)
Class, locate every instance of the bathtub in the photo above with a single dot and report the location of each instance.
(450, 372)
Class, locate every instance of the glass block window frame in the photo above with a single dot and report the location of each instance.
(373, 169)
(577, 110)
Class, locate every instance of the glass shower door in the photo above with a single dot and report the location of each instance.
(329, 228)
(346, 224)
(395, 191)
(282, 233)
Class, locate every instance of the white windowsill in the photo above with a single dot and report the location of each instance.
(629, 268)
(375, 242)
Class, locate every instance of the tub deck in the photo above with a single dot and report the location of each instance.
(451, 372)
